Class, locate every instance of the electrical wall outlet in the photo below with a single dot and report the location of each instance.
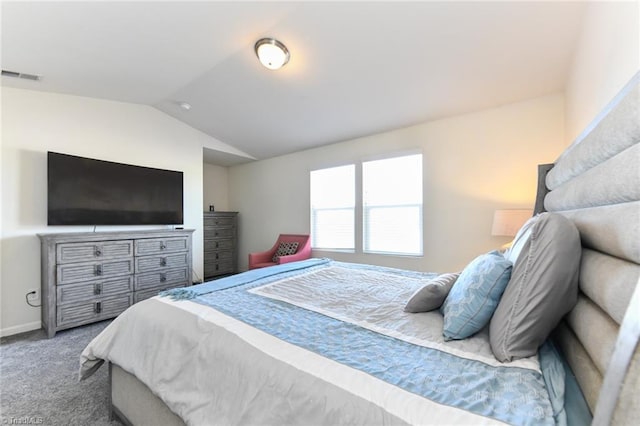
(33, 295)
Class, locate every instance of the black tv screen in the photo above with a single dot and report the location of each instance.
(85, 191)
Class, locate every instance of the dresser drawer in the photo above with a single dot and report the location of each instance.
(75, 272)
(219, 233)
(145, 294)
(218, 268)
(217, 255)
(74, 293)
(82, 252)
(215, 222)
(149, 280)
(211, 245)
(162, 262)
(160, 245)
(91, 311)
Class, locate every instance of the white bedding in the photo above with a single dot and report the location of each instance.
(375, 300)
(215, 359)
(212, 369)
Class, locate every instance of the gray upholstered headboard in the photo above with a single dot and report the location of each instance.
(596, 183)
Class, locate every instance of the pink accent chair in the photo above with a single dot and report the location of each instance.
(265, 258)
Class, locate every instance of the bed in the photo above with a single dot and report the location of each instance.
(325, 342)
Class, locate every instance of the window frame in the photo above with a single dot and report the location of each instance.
(359, 208)
(353, 249)
(364, 208)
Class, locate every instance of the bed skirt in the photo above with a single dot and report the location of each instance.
(134, 404)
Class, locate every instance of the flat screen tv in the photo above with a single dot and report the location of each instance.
(85, 191)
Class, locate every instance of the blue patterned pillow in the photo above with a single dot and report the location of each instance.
(475, 295)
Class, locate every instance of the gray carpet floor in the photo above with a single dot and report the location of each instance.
(39, 380)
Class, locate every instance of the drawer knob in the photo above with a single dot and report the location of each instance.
(217, 256)
(217, 244)
(217, 266)
(163, 261)
(98, 270)
(97, 307)
(163, 246)
(97, 252)
(163, 278)
(97, 288)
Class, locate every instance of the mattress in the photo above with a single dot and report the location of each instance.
(321, 342)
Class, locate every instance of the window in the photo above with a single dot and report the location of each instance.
(392, 205)
(333, 208)
(389, 219)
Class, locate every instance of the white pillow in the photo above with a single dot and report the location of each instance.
(523, 235)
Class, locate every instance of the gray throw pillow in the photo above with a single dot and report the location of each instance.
(543, 288)
(432, 295)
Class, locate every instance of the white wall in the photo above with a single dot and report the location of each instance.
(473, 164)
(215, 187)
(607, 56)
(36, 122)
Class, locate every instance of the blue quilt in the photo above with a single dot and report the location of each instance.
(518, 396)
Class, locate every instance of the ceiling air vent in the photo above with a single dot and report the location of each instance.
(7, 73)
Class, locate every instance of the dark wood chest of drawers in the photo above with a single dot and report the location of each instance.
(92, 276)
(220, 243)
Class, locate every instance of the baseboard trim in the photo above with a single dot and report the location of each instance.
(23, 328)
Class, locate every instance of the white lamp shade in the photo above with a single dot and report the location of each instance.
(272, 53)
(506, 223)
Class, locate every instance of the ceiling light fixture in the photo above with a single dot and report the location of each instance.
(185, 105)
(272, 53)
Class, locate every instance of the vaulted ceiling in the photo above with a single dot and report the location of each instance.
(356, 68)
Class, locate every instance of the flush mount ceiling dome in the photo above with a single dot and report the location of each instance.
(272, 53)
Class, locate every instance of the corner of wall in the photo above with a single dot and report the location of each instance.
(607, 56)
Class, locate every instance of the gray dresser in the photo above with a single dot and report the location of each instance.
(220, 244)
(92, 276)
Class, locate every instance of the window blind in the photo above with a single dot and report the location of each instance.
(332, 208)
(392, 205)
